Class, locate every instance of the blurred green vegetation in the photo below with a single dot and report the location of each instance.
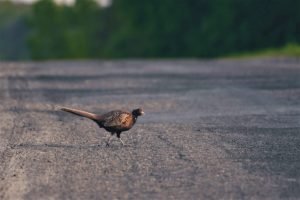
(13, 31)
(287, 50)
(63, 31)
(165, 29)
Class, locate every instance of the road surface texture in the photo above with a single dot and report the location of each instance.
(216, 129)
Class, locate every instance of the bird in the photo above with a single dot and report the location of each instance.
(114, 122)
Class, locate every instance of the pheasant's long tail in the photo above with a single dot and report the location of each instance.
(81, 113)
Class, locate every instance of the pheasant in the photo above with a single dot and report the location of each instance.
(115, 122)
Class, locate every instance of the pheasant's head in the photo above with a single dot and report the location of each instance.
(138, 112)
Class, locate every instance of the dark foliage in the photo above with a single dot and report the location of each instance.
(169, 28)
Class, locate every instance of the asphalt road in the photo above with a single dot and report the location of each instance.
(216, 129)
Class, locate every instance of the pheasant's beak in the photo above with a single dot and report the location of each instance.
(143, 113)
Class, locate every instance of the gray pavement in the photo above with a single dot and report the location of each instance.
(216, 129)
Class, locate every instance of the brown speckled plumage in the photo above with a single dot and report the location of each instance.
(115, 122)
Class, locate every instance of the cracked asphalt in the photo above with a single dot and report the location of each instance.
(214, 129)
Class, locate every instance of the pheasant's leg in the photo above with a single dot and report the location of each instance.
(122, 141)
(119, 136)
(109, 139)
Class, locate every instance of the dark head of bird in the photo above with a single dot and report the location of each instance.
(138, 112)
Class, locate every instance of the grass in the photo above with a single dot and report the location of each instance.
(289, 50)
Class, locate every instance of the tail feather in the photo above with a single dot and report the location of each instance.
(81, 113)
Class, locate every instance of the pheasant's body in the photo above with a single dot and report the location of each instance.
(116, 121)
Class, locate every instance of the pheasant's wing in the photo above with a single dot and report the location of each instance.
(116, 119)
